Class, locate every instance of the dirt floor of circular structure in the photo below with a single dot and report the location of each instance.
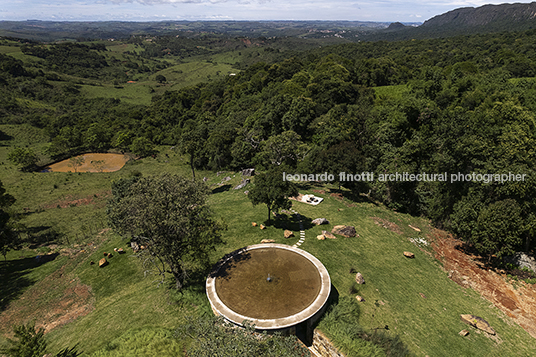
(243, 286)
(90, 163)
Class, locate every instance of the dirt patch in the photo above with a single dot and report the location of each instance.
(336, 195)
(55, 301)
(393, 227)
(71, 201)
(515, 298)
(90, 163)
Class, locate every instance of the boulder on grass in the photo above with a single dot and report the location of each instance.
(254, 224)
(248, 172)
(103, 262)
(359, 278)
(359, 298)
(242, 184)
(478, 322)
(267, 241)
(409, 255)
(320, 221)
(320, 237)
(263, 226)
(463, 333)
(120, 251)
(328, 235)
(288, 233)
(345, 231)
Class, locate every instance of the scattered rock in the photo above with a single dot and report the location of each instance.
(142, 247)
(409, 255)
(246, 192)
(328, 235)
(463, 333)
(288, 233)
(103, 262)
(320, 237)
(359, 298)
(120, 251)
(359, 278)
(105, 254)
(320, 221)
(263, 226)
(422, 295)
(242, 184)
(248, 172)
(522, 260)
(345, 231)
(91, 262)
(225, 179)
(110, 255)
(267, 241)
(115, 249)
(254, 224)
(135, 247)
(414, 228)
(219, 173)
(478, 322)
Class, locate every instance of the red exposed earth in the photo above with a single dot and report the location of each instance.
(516, 299)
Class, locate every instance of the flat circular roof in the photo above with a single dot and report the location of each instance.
(272, 285)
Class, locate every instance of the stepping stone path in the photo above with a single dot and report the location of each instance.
(302, 232)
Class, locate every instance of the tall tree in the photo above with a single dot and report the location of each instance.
(8, 238)
(270, 189)
(191, 141)
(169, 215)
(24, 157)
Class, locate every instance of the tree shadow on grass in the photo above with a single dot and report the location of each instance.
(39, 235)
(4, 137)
(13, 276)
(290, 221)
(221, 189)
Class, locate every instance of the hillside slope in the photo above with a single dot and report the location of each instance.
(467, 20)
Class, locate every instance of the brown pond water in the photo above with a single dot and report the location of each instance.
(90, 163)
(244, 287)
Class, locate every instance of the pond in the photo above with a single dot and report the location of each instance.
(90, 163)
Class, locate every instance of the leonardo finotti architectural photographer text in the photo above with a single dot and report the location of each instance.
(406, 177)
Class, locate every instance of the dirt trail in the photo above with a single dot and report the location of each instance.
(515, 298)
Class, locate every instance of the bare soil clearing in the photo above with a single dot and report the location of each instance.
(91, 163)
(70, 200)
(516, 299)
(68, 299)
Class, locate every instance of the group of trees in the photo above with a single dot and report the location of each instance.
(460, 108)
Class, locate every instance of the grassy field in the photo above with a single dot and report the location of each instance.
(123, 311)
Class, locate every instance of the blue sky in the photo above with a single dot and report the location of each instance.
(155, 10)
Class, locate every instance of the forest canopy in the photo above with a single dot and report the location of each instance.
(462, 105)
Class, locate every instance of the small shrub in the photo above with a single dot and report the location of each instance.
(28, 343)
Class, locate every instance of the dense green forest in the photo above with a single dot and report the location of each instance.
(458, 105)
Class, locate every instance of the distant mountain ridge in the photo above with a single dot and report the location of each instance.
(485, 15)
(466, 21)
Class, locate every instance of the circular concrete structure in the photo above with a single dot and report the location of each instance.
(274, 286)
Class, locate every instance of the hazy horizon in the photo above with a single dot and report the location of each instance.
(231, 10)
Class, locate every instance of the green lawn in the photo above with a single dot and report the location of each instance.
(129, 307)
